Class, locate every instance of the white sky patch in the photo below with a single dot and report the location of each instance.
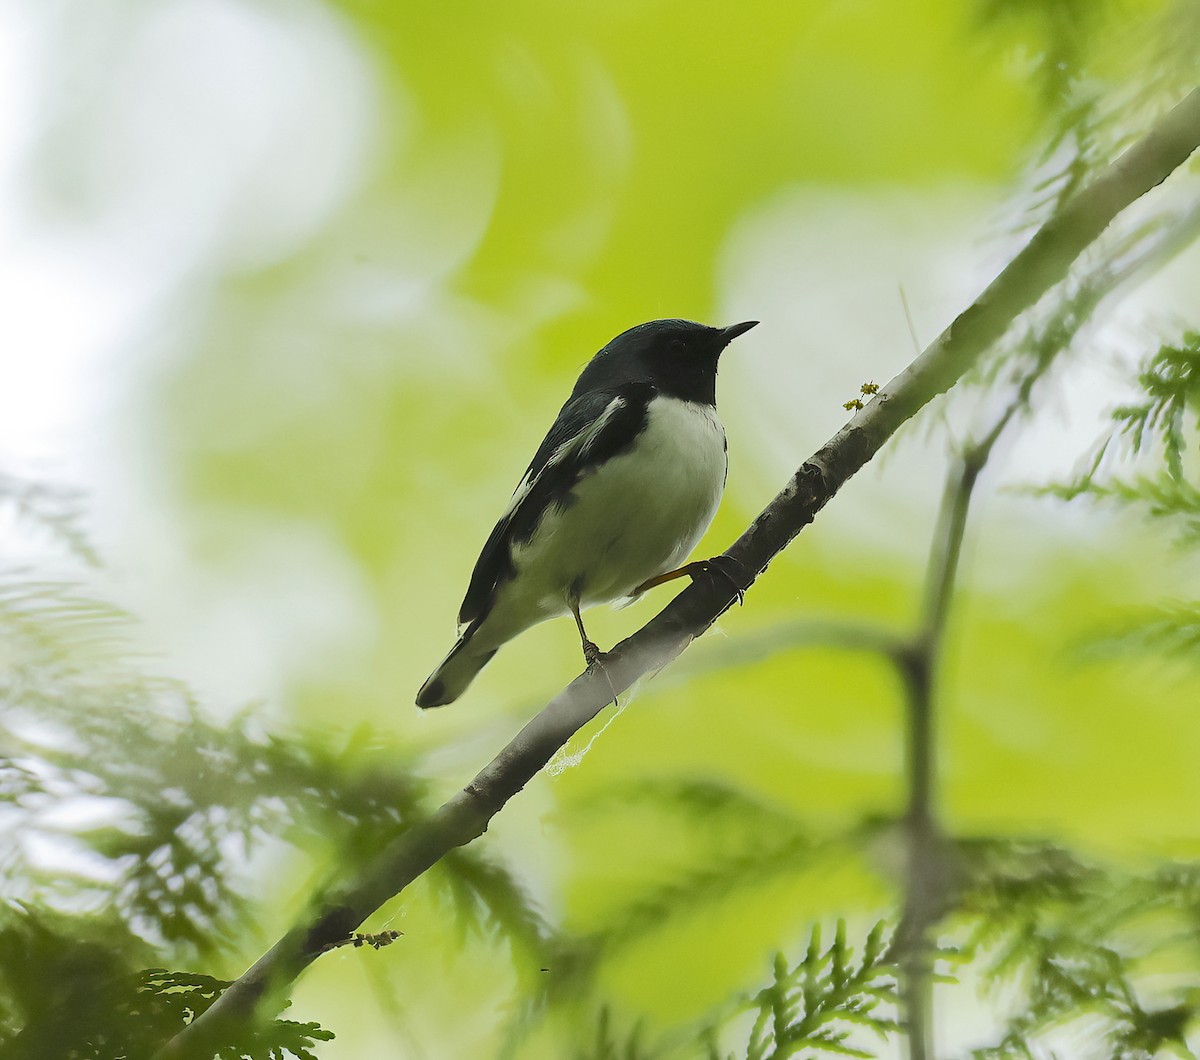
(146, 151)
(132, 161)
(824, 270)
(289, 604)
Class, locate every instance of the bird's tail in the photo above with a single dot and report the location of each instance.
(456, 671)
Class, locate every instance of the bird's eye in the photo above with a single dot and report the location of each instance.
(676, 346)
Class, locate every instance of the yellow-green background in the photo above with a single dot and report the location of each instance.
(317, 418)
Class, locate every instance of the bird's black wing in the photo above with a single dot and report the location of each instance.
(590, 428)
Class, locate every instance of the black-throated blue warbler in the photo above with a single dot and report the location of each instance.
(616, 497)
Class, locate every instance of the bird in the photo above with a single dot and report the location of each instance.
(621, 489)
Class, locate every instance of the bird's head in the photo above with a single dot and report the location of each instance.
(678, 356)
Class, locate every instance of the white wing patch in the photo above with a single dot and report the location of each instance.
(581, 443)
(585, 439)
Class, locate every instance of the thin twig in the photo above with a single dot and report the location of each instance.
(929, 872)
(926, 882)
(1042, 264)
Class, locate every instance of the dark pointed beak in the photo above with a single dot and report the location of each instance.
(734, 330)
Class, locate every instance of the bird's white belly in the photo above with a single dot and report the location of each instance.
(638, 515)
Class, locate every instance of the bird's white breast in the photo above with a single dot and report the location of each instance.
(638, 514)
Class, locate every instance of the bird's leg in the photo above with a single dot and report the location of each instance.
(591, 652)
(722, 564)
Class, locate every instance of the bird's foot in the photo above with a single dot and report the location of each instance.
(731, 570)
(591, 653)
(595, 660)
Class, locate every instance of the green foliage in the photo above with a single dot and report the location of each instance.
(1169, 631)
(56, 511)
(1153, 432)
(820, 1002)
(1160, 496)
(1062, 28)
(1171, 385)
(1086, 946)
(181, 800)
(158, 810)
(537, 176)
(610, 1044)
(753, 844)
(71, 988)
(490, 899)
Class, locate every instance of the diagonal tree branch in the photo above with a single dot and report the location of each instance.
(1042, 263)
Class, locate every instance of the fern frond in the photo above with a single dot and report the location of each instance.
(689, 892)
(55, 509)
(827, 1000)
(1169, 631)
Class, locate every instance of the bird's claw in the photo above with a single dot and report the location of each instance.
(726, 566)
(595, 660)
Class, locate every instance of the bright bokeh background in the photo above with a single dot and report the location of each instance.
(292, 291)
